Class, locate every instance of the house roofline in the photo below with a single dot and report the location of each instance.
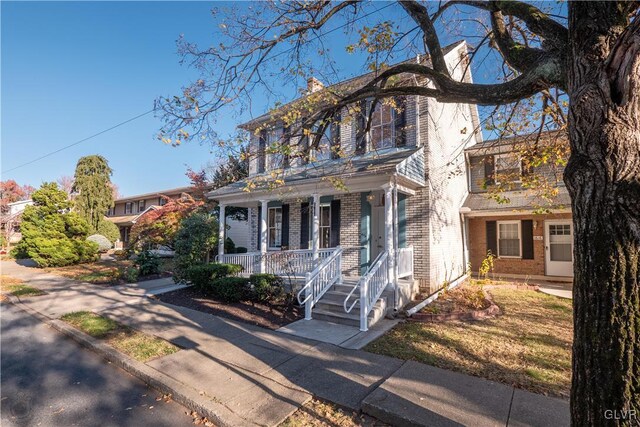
(171, 191)
(253, 123)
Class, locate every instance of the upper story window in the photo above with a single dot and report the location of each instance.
(387, 128)
(162, 201)
(276, 156)
(142, 205)
(383, 130)
(111, 211)
(128, 208)
(329, 145)
(508, 167)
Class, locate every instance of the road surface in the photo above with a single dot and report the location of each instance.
(49, 380)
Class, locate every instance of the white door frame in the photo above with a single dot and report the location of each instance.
(557, 268)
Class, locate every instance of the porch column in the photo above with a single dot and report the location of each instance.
(388, 229)
(221, 229)
(315, 233)
(263, 236)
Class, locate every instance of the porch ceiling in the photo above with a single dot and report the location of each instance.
(362, 173)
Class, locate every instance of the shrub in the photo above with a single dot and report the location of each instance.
(265, 287)
(229, 246)
(147, 263)
(130, 274)
(203, 275)
(108, 230)
(103, 243)
(241, 250)
(87, 251)
(229, 289)
(194, 241)
(51, 235)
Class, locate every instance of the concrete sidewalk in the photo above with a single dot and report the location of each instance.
(262, 376)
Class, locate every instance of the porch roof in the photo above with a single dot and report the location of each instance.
(368, 171)
(478, 204)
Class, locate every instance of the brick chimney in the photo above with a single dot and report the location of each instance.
(314, 85)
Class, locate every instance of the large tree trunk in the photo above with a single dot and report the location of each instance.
(603, 178)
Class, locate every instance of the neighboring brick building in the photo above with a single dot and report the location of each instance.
(526, 244)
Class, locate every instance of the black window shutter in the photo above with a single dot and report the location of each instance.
(259, 225)
(286, 141)
(262, 148)
(489, 170)
(304, 226)
(335, 137)
(492, 237)
(361, 140)
(401, 121)
(527, 239)
(335, 223)
(285, 226)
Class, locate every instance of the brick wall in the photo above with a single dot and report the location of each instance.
(478, 245)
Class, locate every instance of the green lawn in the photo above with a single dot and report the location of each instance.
(133, 343)
(527, 346)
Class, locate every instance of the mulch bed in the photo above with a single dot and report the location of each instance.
(266, 315)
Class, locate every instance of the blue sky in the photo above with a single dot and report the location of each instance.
(72, 69)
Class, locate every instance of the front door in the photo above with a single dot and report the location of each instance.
(377, 231)
(559, 248)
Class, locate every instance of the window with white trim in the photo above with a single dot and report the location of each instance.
(507, 167)
(142, 205)
(324, 231)
(128, 208)
(275, 155)
(274, 228)
(383, 127)
(509, 240)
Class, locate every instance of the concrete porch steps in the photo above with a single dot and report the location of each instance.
(330, 308)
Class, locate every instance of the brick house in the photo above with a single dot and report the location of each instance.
(530, 236)
(127, 210)
(361, 247)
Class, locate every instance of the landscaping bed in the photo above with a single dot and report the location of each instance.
(466, 302)
(528, 346)
(271, 315)
(136, 344)
(110, 272)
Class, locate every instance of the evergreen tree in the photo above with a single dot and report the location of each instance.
(51, 234)
(92, 183)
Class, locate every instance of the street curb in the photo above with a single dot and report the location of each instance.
(216, 412)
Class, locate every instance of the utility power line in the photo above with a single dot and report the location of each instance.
(80, 141)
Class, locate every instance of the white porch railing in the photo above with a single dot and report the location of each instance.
(295, 262)
(250, 261)
(405, 262)
(317, 282)
(371, 286)
(283, 263)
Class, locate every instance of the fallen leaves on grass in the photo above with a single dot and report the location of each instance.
(528, 346)
(133, 343)
(17, 287)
